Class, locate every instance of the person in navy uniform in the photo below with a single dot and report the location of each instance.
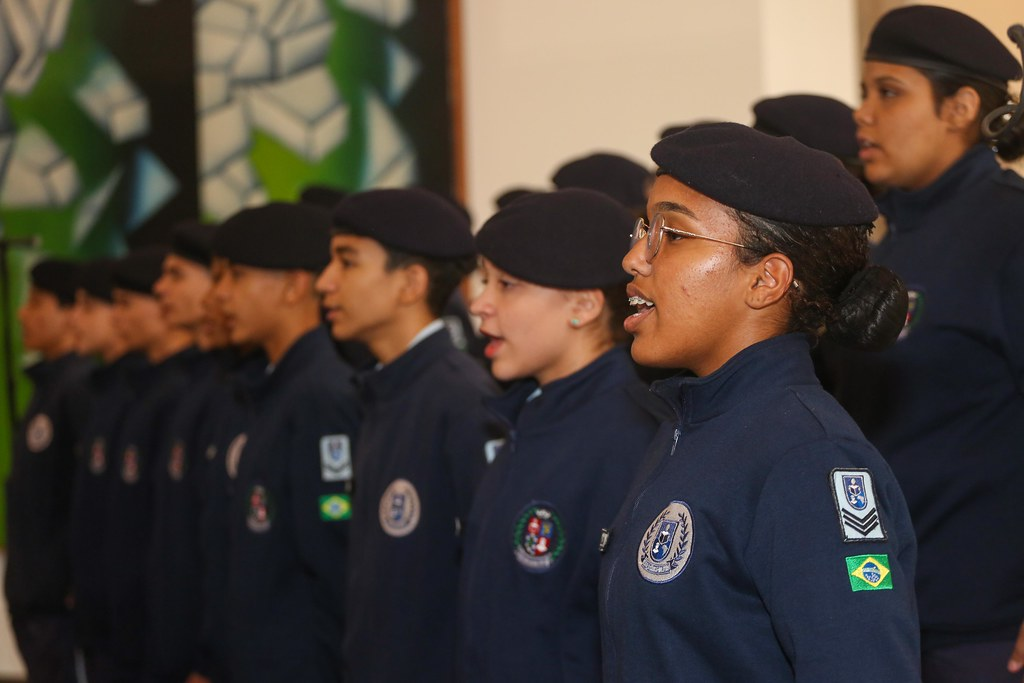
(221, 439)
(173, 581)
(37, 582)
(290, 512)
(109, 395)
(746, 550)
(944, 405)
(396, 257)
(578, 427)
(156, 388)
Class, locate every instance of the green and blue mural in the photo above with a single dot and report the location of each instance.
(121, 117)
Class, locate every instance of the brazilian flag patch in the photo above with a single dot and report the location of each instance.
(335, 508)
(869, 573)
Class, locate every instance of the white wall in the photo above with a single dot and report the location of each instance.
(548, 80)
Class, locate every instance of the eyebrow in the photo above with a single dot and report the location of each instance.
(662, 207)
(343, 249)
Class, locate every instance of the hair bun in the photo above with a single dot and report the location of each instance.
(871, 311)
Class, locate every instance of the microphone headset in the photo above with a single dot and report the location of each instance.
(1005, 119)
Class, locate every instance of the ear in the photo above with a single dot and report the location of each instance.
(771, 279)
(960, 110)
(298, 286)
(415, 284)
(585, 306)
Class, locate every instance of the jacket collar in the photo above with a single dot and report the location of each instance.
(901, 208)
(758, 369)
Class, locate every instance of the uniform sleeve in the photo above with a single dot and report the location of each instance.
(843, 610)
(1010, 295)
(320, 481)
(470, 430)
(580, 637)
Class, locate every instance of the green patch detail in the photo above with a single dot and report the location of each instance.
(869, 573)
(335, 508)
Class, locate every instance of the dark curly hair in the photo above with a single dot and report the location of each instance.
(1009, 144)
(836, 293)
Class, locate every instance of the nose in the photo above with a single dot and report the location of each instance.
(325, 282)
(863, 114)
(635, 262)
(481, 305)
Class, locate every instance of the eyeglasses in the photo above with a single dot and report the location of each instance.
(655, 233)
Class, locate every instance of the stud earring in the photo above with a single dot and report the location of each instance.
(575, 322)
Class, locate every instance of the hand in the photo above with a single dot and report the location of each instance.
(1016, 663)
(197, 678)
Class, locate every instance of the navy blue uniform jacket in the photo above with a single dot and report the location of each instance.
(158, 388)
(109, 395)
(528, 595)
(222, 439)
(419, 459)
(764, 540)
(289, 526)
(945, 404)
(38, 578)
(173, 583)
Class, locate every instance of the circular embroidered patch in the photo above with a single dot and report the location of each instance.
(130, 465)
(176, 463)
(98, 456)
(399, 508)
(39, 433)
(667, 545)
(915, 311)
(234, 454)
(538, 537)
(261, 513)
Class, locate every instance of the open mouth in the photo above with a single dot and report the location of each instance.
(639, 304)
(493, 346)
(642, 307)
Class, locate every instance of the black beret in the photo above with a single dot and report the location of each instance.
(568, 239)
(819, 122)
(622, 179)
(96, 278)
(412, 220)
(775, 178)
(928, 37)
(322, 195)
(58, 277)
(140, 268)
(680, 127)
(512, 194)
(278, 236)
(193, 240)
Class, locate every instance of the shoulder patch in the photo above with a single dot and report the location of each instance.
(399, 510)
(176, 463)
(130, 465)
(335, 458)
(234, 454)
(854, 494)
(260, 514)
(98, 456)
(869, 573)
(39, 433)
(492, 448)
(335, 507)
(915, 311)
(667, 545)
(538, 537)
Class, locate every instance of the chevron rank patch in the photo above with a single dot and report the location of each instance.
(854, 494)
(335, 458)
(335, 508)
(869, 573)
